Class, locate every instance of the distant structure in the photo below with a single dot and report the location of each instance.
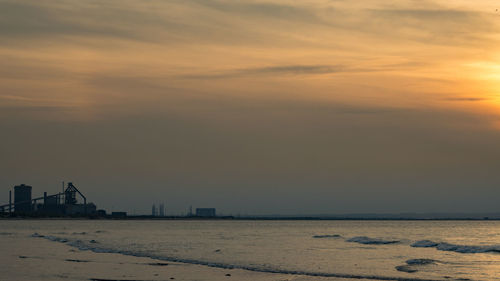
(119, 215)
(162, 210)
(71, 205)
(153, 210)
(22, 199)
(60, 204)
(205, 212)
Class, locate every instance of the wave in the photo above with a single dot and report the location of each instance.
(81, 245)
(371, 241)
(328, 236)
(406, 268)
(420, 261)
(463, 249)
(413, 265)
(424, 244)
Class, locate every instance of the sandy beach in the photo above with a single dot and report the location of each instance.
(28, 258)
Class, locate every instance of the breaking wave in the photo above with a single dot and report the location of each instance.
(406, 268)
(84, 246)
(413, 265)
(420, 261)
(371, 241)
(464, 249)
(424, 244)
(328, 236)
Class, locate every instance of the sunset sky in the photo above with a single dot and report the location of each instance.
(254, 107)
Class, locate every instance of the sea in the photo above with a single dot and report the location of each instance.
(359, 250)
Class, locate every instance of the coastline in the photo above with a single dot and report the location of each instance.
(230, 218)
(28, 258)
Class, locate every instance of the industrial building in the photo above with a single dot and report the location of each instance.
(162, 210)
(22, 198)
(64, 203)
(205, 212)
(153, 210)
(158, 211)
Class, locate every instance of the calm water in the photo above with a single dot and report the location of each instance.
(453, 249)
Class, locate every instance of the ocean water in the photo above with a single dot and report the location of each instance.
(382, 250)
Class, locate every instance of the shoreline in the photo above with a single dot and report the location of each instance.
(84, 250)
(27, 258)
(249, 218)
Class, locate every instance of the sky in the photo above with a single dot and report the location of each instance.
(254, 107)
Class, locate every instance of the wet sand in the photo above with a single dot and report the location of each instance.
(28, 259)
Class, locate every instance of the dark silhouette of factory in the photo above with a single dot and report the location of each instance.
(64, 203)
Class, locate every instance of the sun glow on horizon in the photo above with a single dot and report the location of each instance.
(162, 55)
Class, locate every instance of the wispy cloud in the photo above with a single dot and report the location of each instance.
(240, 22)
(434, 25)
(269, 10)
(466, 99)
(274, 70)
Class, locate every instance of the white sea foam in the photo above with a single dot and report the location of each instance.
(371, 241)
(51, 238)
(85, 246)
(464, 249)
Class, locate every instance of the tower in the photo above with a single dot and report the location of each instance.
(22, 198)
(162, 210)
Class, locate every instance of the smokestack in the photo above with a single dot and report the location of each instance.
(10, 201)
